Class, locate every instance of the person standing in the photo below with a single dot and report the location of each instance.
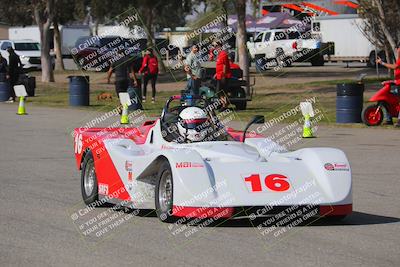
(193, 70)
(149, 71)
(396, 68)
(232, 63)
(14, 69)
(121, 67)
(222, 74)
(3, 68)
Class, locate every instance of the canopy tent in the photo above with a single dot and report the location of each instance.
(273, 20)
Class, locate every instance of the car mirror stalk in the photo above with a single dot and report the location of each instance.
(255, 119)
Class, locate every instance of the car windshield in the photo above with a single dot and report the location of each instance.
(27, 46)
(214, 127)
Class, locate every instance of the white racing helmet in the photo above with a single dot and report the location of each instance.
(193, 124)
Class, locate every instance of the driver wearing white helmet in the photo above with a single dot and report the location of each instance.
(193, 124)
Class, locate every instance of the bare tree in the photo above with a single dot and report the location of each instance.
(241, 38)
(381, 22)
(57, 47)
(44, 11)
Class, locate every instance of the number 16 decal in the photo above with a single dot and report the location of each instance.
(274, 182)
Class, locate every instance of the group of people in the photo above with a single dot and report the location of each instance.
(10, 71)
(223, 66)
(125, 73)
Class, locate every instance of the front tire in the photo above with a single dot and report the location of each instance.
(317, 61)
(89, 185)
(164, 196)
(372, 115)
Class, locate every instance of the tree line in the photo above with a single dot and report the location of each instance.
(382, 20)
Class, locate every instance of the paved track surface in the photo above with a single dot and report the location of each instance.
(40, 186)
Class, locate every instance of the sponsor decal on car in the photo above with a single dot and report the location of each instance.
(128, 165)
(103, 189)
(188, 164)
(336, 166)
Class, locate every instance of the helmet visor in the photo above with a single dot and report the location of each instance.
(192, 123)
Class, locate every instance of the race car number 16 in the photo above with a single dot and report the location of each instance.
(274, 182)
(78, 143)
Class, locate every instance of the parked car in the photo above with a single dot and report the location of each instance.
(281, 46)
(27, 50)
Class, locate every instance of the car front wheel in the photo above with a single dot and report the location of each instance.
(164, 193)
(89, 186)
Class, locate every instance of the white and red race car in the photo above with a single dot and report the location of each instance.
(234, 174)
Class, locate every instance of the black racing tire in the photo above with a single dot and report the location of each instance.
(317, 61)
(164, 197)
(89, 185)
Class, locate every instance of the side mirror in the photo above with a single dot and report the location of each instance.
(255, 119)
(251, 39)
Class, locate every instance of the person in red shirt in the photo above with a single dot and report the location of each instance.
(396, 68)
(222, 73)
(232, 64)
(149, 70)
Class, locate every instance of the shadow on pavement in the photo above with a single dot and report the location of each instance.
(356, 218)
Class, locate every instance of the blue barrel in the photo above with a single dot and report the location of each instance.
(78, 90)
(4, 91)
(349, 102)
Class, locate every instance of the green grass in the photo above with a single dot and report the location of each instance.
(270, 103)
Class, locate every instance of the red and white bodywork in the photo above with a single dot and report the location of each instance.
(219, 175)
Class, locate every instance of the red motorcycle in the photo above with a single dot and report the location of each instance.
(388, 98)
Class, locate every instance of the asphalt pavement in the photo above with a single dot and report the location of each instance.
(40, 193)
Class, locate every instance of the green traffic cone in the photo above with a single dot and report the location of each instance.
(21, 106)
(307, 131)
(124, 116)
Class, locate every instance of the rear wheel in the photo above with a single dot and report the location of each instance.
(317, 60)
(164, 193)
(89, 186)
(372, 115)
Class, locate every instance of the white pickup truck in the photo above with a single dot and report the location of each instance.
(283, 47)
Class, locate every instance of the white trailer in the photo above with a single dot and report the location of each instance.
(69, 35)
(345, 33)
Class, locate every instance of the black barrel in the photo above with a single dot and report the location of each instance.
(31, 86)
(349, 102)
(78, 90)
(135, 95)
(4, 91)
